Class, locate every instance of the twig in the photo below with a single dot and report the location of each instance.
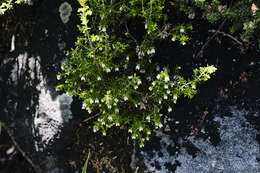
(91, 117)
(36, 168)
(200, 53)
(227, 35)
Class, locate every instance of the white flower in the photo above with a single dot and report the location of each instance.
(153, 83)
(125, 66)
(150, 88)
(148, 132)
(117, 124)
(139, 82)
(130, 77)
(152, 51)
(148, 118)
(116, 100)
(158, 76)
(108, 70)
(104, 133)
(145, 26)
(167, 79)
(89, 111)
(125, 98)
(91, 101)
(160, 102)
(191, 16)
(157, 68)
(117, 110)
(99, 78)
(166, 86)
(141, 129)
(103, 123)
(135, 87)
(181, 30)
(142, 71)
(137, 67)
(193, 86)
(168, 91)
(110, 118)
(160, 125)
(133, 137)
(175, 97)
(82, 78)
(169, 109)
(165, 97)
(109, 106)
(116, 69)
(149, 78)
(130, 131)
(103, 65)
(104, 29)
(127, 58)
(84, 106)
(96, 101)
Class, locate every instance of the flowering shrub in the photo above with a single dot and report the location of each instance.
(8, 4)
(112, 71)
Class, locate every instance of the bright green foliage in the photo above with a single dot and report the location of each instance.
(111, 69)
(6, 5)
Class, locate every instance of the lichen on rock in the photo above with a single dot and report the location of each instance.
(65, 10)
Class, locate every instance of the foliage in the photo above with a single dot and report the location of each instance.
(243, 16)
(6, 5)
(112, 71)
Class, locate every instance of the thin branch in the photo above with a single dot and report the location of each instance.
(227, 35)
(200, 53)
(36, 168)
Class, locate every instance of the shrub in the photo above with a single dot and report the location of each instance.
(111, 69)
(6, 5)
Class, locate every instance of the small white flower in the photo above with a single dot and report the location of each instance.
(157, 68)
(130, 131)
(139, 82)
(160, 102)
(158, 76)
(104, 29)
(148, 118)
(96, 101)
(130, 77)
(133, 137)
(167, 79)
(168, 91)
(110, 118)
(141, 129)
(169, 109)
(108, 70)
(153, 83)
(181, 30)
(193, 86)
(175, 97)
(127, 58)
(173, 39)
(116, 100)
(152, 51)
(125, 98)
(82, 78)
(125, 66)
(165, 97)
(104, 133)
(117, 124)
(148, 132)
(89, 111)
(103, 123)
(103, 65)
(160, 125)
(137, 67)
(191, 16)
(149, 78)
(91, 101)
(150, 88)
(135, 87)
(166, 86)
(142, 71)
(84, 106)
(117, 110)
(99, 78)
(116, 69)
(145, 26)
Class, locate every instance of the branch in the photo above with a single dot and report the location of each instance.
(227, 35)
(200, 53)
(36, 168)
